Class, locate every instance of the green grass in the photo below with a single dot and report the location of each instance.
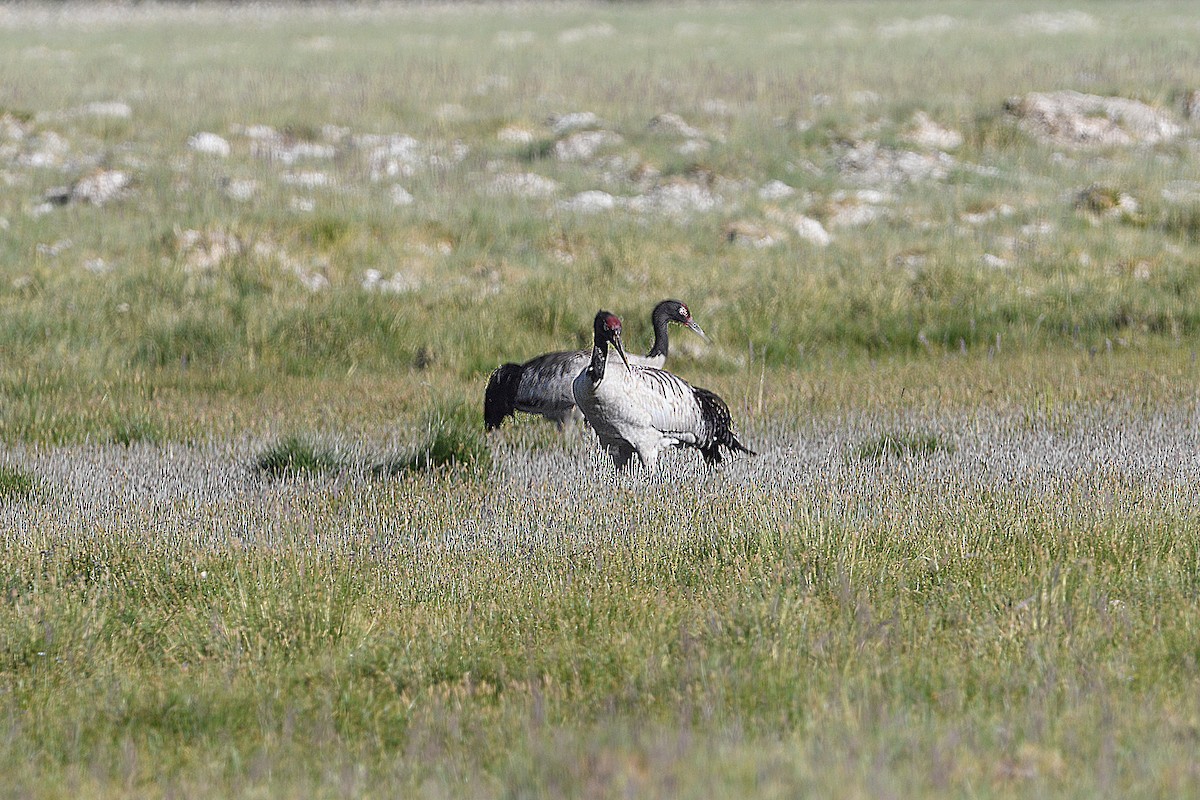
(963, 566)
(16, 483)
(828, 655)
(453, 439)
(901, 444)
(295, 456)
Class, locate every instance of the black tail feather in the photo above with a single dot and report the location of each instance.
(720, 426)
(500, 397)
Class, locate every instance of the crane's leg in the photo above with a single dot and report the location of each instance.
(621, 452)
(648, 455)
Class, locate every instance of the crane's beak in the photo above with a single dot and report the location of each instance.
(620, 350)
(691, 323)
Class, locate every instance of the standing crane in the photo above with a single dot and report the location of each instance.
(542, 385)
(644, 410)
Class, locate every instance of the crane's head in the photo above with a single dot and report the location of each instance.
(608, 331)
(677, 312)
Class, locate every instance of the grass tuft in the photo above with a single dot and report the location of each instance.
(294, 456)
(900, 445)
(127, 429)
(1181, 221)
(16, 484)
(453, 440)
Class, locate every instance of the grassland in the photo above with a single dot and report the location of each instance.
(256, 543)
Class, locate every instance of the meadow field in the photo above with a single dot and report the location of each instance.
(258, 261)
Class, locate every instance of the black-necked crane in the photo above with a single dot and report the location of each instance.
(542, 385)
(644, 410)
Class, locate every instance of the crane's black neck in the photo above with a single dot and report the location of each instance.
(659, 319)
(599, 360)
(599, 354)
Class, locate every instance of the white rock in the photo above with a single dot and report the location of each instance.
(811, 230)
(115, 110)
(927, 133)
(100, 187)
(674, 125)
(565, 123)
(584, 145)
(523, 184)
(853, 215)
(872, 196)
(211, 143)
(242, 189)
(373, 281)
(775, 190)
(514, 134)
(589, 202)
(693, 147)
(308, 180)
(401, 196)
(258, 132)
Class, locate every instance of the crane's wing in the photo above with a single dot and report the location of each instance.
(670, 404)
(546, 380)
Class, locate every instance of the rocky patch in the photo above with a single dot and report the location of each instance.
(398, 283)
(926, 133)
(775, 190)
(515, 134)
(852, 209)
(584, 145)
(523, 184)
(589, 202)
(562, 124)
(869, 163)
(98, 188)
(803, 226)
(1082, 120)
(673, 125)
(202, 251)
